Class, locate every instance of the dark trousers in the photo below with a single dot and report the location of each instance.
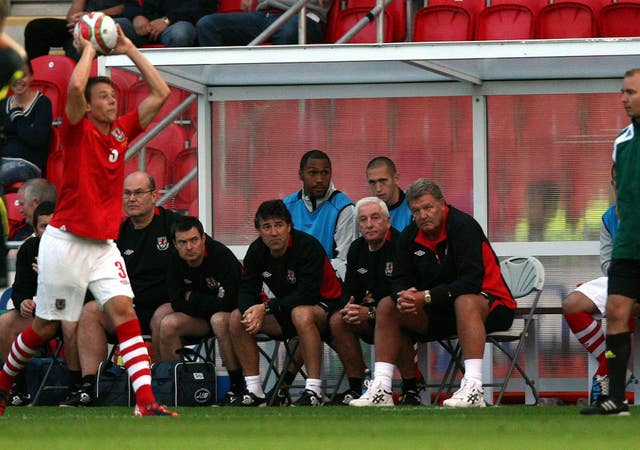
(42, 34)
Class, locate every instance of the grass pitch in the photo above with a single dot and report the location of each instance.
(508, 427)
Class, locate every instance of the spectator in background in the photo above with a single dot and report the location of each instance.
(241, 28)
(383, 182)
(25, 131)
(30, 195)
(46, 32)
(11, 55)
(170, 23)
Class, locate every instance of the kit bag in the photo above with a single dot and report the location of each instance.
(113, 386)
(184, 382)
(56, 387)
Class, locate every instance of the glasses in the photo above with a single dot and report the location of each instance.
(135, 194)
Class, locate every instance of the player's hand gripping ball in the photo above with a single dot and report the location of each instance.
(100, 30)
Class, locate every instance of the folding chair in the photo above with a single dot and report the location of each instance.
(52, 353)
(525, 277)
(272, 359)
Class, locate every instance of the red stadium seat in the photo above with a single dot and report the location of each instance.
(139, 91)
(230, 6)
(566, 20)
(350, 16)
(595, 5)
(620, 20)
(53, 171)
(442, 23)
(123, 81)
(185, 161)
(473, 6)
(505, 22)
(51, 75)
(397, 10)
(533, 5)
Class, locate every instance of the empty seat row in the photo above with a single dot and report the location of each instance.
(509, 21)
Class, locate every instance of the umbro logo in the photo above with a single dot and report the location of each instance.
(362, 270)
(128, 252)
(187, 281)
(419, 253)
(265, 274)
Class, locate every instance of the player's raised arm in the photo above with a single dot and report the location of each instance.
(76, 106)
(150, 106)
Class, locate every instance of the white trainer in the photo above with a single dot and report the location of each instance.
(470, 395)
(374, 396)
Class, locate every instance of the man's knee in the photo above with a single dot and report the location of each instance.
(578, 302)
(303, 317)
(220, 322)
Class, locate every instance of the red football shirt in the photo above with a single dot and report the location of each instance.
(90, 199)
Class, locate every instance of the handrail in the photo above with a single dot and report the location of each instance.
(157, 128)
(300, 6)
(173, 190)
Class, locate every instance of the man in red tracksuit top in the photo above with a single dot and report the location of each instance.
(447, 281)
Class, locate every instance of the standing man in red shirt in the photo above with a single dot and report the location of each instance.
(77, 250)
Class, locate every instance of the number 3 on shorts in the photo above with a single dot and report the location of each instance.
(122, 273)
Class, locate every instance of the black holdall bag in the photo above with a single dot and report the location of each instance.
(113, 386)
(184, 382)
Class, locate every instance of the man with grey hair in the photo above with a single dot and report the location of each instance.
(446, 281)
(30, 195)
(370, 266)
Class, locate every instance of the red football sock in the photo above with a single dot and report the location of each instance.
(136, 360)
(589, 333)
(24, 348)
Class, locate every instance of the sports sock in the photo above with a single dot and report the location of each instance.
(136, 360)
(589, 332)
(289, 378)
(23, 349)
(315, 385)
(383, 374)
(75, 379)
(473, 370)
(355, 384)
(236, 381)
(618, 351)
(254, 385)
(409, 384)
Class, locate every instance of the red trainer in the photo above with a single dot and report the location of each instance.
(153, 409)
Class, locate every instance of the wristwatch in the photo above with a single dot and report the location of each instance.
(166, 20)
(427, 297)
(371, 315)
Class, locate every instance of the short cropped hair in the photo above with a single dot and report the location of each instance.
(185, 223)
(272, 209)
(92, 82)
(632, 72)
(43, 209)
(313, 154)
(421, 187)
(39, 189)
(372, 200)
(383, 161)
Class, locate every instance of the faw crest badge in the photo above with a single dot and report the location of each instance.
(162, 243)
(388, 268)
(291, 276)
(211, 282)
(118, 134)
(60, 303)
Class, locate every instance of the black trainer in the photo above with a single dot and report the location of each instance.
(607, 407)
(410, 398)
(81, 397)
(249, 399)
(308, 398)
(343, 399)
(228, 399)
(279, 398)
(18, 399)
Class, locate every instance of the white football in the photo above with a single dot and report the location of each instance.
(99, 29)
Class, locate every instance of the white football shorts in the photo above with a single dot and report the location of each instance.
(67, 265)
(596, 291)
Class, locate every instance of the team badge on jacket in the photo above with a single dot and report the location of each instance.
(163, 243)
(291, 276)
(388, 268)
(60, 303)
(211, 283)
(118, 134)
